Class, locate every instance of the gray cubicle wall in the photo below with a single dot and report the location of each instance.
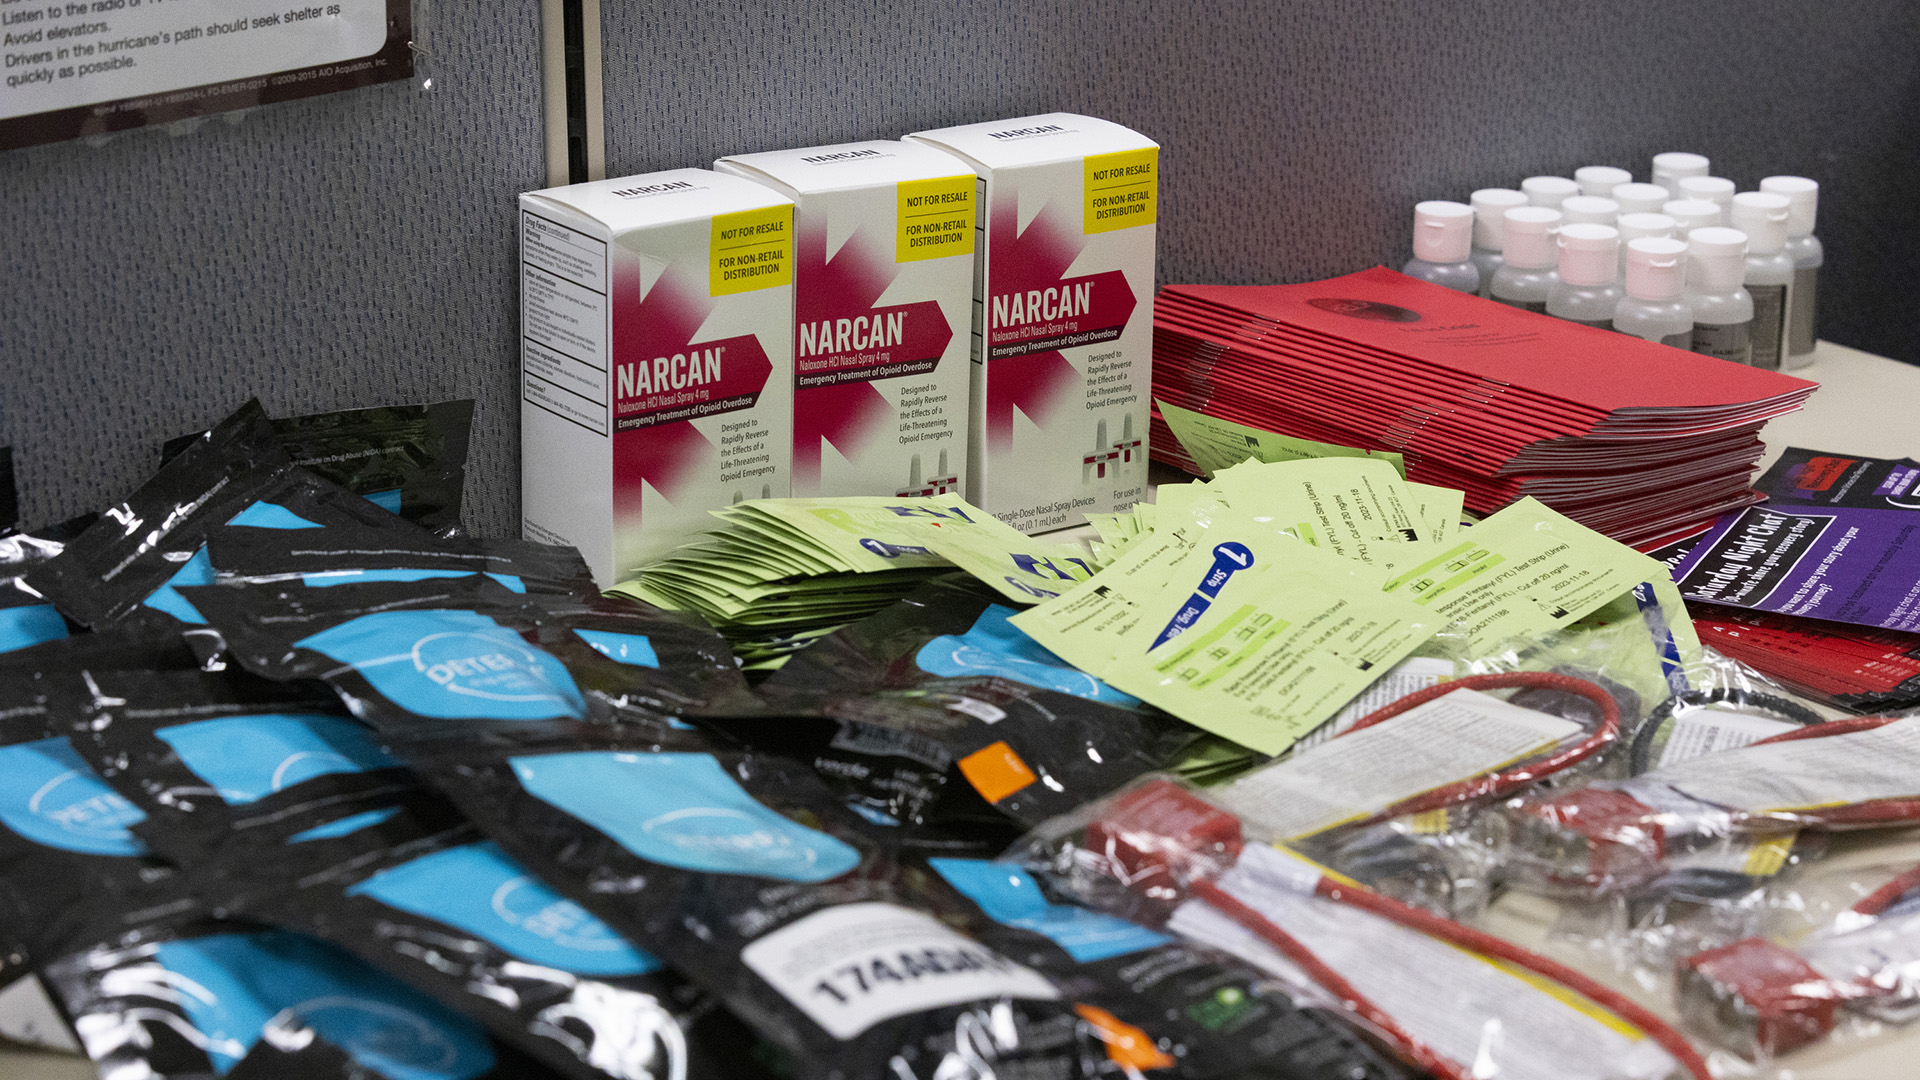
(349, 250)
(359, 249)
(1299, 134)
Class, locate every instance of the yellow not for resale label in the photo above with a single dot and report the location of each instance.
(1121, 190)
(933, 218)
(750, 250)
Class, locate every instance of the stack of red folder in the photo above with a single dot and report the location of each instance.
(1643, 442)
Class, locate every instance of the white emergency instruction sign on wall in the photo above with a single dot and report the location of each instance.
(87, 67)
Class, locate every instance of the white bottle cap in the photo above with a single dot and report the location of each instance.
(1675, 164)
(1762, 215)
(1711, 188)
(1802, 194)
(1590, 210)
(1716, 259)
(1549, 191)
(1442, 231)
(1589, 254)
(1645, 227)
(1489, 209)
(1529, 240)
(1656, 268)
(1640, 198)
(1691, 214)
(1600, 180)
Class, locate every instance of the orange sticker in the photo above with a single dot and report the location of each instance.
(996, 772)
(1127, 1046)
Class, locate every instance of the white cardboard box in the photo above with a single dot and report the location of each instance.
(1063, 296)
(883, 291)
(656, 359)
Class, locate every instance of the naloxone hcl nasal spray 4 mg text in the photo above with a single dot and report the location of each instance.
(883, 296)
(1063, 315)
(656, 359)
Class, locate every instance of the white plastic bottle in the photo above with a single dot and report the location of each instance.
(1588, 289)
(1691, 214)
(1640, 198)
(1590, 210)
(1671, 166)
(1643, 227)
(1763, 217)
(1714, 189)
(1526, 272)
(1442, 240)
(1490, 206)
(1600, 180)
(1655, 305)
(1803, 247)
(1548, 191)
(1722, 310)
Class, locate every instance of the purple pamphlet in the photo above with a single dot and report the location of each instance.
(1838, 540)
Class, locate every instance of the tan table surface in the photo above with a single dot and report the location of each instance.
(27, 1065)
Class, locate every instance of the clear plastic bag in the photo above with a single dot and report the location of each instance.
(1708, 890)
(1725, 705)
(1454, 1001)
(1401, 783)
(1615, 837)
(1854, 978)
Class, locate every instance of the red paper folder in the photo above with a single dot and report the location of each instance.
(1644, 442)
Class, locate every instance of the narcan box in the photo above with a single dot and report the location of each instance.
(656, 358)
(1063, 316)
(883, 295)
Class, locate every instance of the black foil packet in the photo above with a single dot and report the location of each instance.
(742, 871)
(227, 764)
(937, 705)
(746, 873)
(426, 898)
(457, 657)
(341, 556)
(191, 998)
(410, 459)
(133, 645)
(26, 618)
(72, 871)
(141, 550)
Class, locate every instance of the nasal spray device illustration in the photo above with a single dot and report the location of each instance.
(1106, 459)
(943, 481)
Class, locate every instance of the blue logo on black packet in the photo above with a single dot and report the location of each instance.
(994, 646)
(30, 624)
(682, 810)
(232, 986)
(49, 795)
(634, 649)
(198, 570)
(452, 665)
(247, 758)
(479, 889)
(1011, 897)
